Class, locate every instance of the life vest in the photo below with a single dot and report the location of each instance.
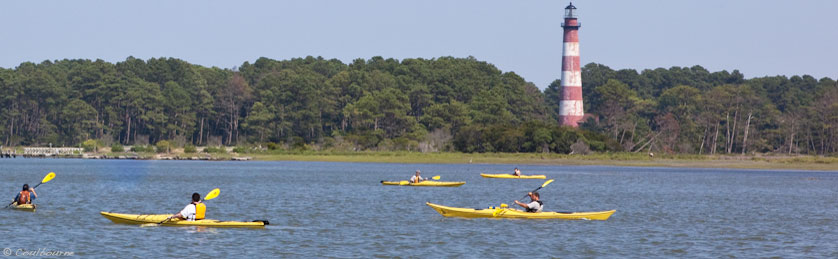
(540, 204)
(200, 211)
(24, 198)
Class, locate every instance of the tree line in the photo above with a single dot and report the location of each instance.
(441, 104)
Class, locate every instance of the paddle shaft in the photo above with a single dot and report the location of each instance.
(536, 189)
(164, 221)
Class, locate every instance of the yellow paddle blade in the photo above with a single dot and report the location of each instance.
(547, 182)
(404, 183)
(212, 194)
(435, 177)
(49, 177)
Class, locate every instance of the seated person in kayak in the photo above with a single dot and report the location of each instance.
(535, 206)
(517, 172)
(417, 178)
(196, 210)
(25, 196)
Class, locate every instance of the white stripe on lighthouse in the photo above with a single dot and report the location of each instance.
(570, 108)
(571, 49)
(572, 78)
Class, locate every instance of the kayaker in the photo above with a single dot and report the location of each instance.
(196, 210)
(417, 178)
(25, 196)
(535, 206)
(517, 172)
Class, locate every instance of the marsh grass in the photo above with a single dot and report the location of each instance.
(754, 161)
(614, 159)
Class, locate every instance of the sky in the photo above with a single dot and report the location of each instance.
(757, 37)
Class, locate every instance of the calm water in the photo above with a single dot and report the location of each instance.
(341, 210)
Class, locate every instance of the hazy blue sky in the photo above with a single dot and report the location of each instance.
(758, 37)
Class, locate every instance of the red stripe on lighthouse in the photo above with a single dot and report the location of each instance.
(571, 93)
(571, 35)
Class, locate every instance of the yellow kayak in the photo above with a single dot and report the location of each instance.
(24, 207)
(517, 214)
(424, 183)
(510, 176)
(120, 218)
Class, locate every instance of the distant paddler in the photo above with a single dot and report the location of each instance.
(26, 196)
(417, 178)
(516, 172)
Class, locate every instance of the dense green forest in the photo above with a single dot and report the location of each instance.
(442, 104)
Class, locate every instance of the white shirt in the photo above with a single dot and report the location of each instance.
(535, 206)
(188, 212)
(413, 179)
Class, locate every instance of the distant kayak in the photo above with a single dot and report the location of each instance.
(137, 219)
(24, 207)
(510, 176)
(424, 183)
(513, 213)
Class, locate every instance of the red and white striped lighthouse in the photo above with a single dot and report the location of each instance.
(570, 106)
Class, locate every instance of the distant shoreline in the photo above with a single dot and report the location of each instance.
(613, 159)
(755, 161)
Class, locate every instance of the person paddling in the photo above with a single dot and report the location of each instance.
(417, 178)
(535, 206)
(25, 196)
(517, 172)
(196, 210)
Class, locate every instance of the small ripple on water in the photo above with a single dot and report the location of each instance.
(675, 252)
(755, 238)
